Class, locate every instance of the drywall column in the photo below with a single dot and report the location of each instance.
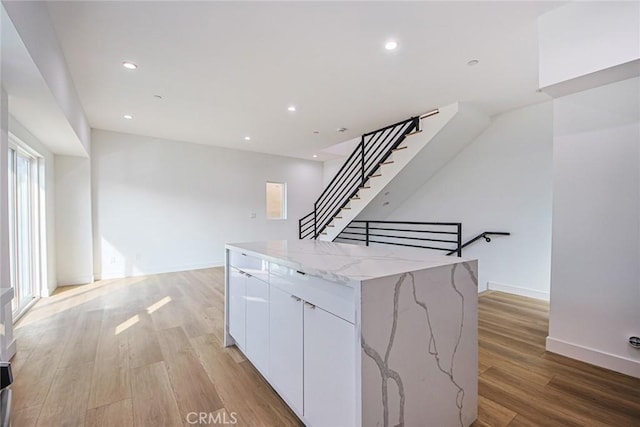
(7, 342)
(74, 244)
(595, 278)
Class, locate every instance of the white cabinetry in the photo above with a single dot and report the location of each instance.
(285, 349)
(237, 306)
(329, 369)
(257, 323)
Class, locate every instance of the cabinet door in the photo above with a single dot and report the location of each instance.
(329, 369)
(237, 306)
(258, 323)
(285, 346)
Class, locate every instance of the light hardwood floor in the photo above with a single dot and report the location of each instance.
(147, 351)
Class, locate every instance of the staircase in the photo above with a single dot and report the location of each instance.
(380, 157)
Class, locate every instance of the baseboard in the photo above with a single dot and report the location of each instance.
(11, 349)
(159, 270)
(525, 292)
(594, 357)
(74, 281)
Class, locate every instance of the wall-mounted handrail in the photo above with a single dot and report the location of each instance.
(485, 235)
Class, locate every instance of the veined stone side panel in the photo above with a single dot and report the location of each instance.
(420, 347)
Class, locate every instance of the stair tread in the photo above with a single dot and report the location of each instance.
(414, 132)
(400, 148)
(387, 162)
(345, 208)
(362, 188)
(375, 176)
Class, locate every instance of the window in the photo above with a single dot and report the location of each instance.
(276, 200)
(24, 230)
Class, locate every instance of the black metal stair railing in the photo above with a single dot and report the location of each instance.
(439, 236)
(373, 150)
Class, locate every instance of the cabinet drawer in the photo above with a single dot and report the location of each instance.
(252, 265)
(333, 297)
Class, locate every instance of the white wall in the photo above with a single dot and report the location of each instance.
(4, 188)
(330, 169)
(48, 239)
(73, 219)
(595, 287)
(166, 206)
(7, 341)
(585, 37)
(500, 182)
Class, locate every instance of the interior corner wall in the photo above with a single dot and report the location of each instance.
(73, 220)
(163, 206)
(48, 157)
(595, 277)
(499, 182)
(4, 190)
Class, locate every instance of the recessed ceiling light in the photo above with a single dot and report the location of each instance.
(157, 96)
(291, 108)
(129, 65)
(128, 116)
(341, 130)
(316, 132)
(315, 156)
(391, 45)
(247, 138)
(473, 62)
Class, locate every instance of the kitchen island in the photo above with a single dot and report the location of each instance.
(351, 335)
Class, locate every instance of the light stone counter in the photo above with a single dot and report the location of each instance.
(413, 334)
(341, 262)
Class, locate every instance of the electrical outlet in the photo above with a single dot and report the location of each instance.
(113, 260)
(252, 215)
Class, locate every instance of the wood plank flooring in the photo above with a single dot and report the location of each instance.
(147, 351)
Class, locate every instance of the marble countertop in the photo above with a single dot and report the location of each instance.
(344, 263)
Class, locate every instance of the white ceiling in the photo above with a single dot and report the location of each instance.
(226, 70)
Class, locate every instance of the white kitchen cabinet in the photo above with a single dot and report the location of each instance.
(237, 306)
(329, 369)
(257, 323)
(285, 347)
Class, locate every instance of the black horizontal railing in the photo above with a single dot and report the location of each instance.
(440, 236)
(374, 149)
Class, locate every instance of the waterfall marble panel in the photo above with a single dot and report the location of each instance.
(419, 344)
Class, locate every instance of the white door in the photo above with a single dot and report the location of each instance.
(258, 323)
(285, 346)
(24, 232)
(237, 306)
(329, 369)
